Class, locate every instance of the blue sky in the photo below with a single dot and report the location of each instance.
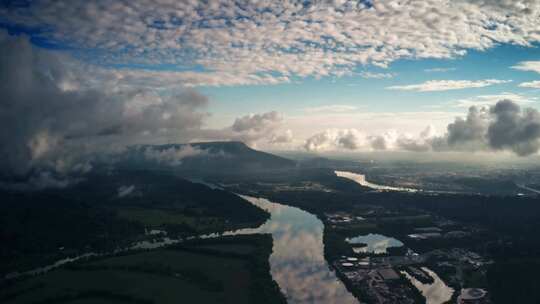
(372, 94)
(327, 75)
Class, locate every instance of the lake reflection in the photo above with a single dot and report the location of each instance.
(376, 243)
(436, 292)
(297, 262)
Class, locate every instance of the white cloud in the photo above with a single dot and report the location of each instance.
(253, 129)
(356, 140)
(331, 109)
(284, 138)
(504, 126)
(532, 66)
(172, 156)
(531, 84)
(256, 122)
(336, 139)
(371, 75)
(446, 85)
(489, 100)
(233, 43)
(304, 126)
(439, 70)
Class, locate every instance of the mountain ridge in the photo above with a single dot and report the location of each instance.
(222, 156)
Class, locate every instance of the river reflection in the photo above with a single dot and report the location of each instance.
(297, 262)
(361, 179)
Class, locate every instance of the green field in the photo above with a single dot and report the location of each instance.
(160, 218)
(228, 270)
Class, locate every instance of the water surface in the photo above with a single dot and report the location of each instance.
(436, 292)
(297, 262)
(376, 243)
(361, 179)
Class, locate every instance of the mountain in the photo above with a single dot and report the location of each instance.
(208, 158)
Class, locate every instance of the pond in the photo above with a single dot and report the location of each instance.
(375, 243)
(436, 292)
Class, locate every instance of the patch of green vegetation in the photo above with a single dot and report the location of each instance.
(169, 218)
(515, 280)
(230, 248)
(202, 271)
(41, 227)
(473, 277)
(153, 217)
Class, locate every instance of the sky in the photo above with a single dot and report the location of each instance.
(364, 75)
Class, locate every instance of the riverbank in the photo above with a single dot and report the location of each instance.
(99, 215)
(233, 269)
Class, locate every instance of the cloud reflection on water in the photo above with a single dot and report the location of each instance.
(297, 262)
(436, 292)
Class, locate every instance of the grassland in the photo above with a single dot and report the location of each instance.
(168, 218)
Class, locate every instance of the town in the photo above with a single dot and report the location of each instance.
(383, 269)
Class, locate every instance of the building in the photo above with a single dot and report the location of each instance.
(388, 274)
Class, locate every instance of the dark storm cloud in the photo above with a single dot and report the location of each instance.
(40, 115)
(514, 129)
(468, 132)
(504, 126)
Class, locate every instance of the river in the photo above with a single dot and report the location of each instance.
(361, 179)
(297, 262)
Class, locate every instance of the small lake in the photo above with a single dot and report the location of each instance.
(435, 293)
(376, 243)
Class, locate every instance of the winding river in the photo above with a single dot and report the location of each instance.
(297, 262)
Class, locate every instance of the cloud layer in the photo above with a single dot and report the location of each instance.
(501, 127)
(446, 85)
(237, 42)
(42, 118)
(531, 66)
(531, 84)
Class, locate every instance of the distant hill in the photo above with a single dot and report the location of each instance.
(215, 158)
